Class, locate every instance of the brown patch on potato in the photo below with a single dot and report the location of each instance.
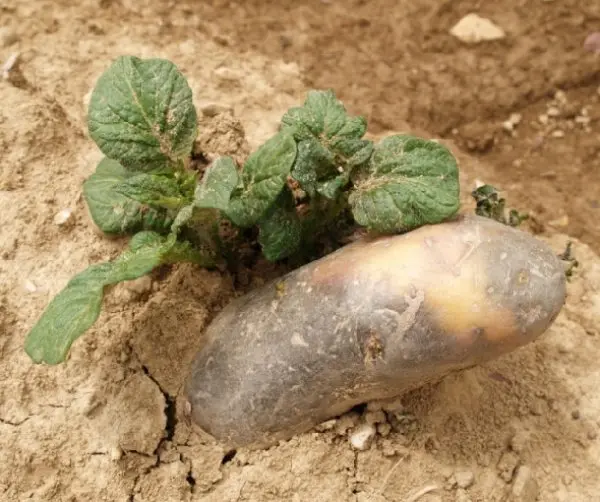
(461, 305)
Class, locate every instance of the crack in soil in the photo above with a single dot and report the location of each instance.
(170, 411)
(141, 454)
(13, 424)
(352, 481)
(133, 488)
(191, 480)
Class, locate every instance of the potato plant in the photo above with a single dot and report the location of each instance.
(142, 117)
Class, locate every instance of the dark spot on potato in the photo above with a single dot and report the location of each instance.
(477, 333)
(373, 347)
(523, 278)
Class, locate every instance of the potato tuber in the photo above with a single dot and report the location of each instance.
(371, 321)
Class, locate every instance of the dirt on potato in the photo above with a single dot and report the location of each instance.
(109, 424)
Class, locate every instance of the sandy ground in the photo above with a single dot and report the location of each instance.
(107, 425)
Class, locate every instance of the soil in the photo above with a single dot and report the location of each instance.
(109, 423)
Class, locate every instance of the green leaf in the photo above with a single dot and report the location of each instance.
(217, 185)
(314, 163)
(280, 229)
(141, 114)
(115, 213)
(77, 307)
(184, 251)
(329, 143)
(491, 205)
(154, 190)
(69, 315)
(183, 217)
(172, 250)
(331, 188)
(263, 178)
(408, 182)
(211, 195)
(145, 239)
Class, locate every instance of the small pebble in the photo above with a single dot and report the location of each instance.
(462, 496)
(214, 109)
(512, 122)
(116, 454)
(560, 96)
(242, 458)
(518, 442)
(63, 217)
(375, 417)
(326, 426)
(346, 422)
(30, 286)
(508, 126)
(90, 403)
(375, 405)
(558, 134)
(464, 479)
(9, 64)
(592, 42)
(7, 36)
(563, 221)
(507, 465)
(536, 407)
(139, 286)
(446, 472)
(515, 118)
(553, 111)
(228, 74)
(384, 429)
(362, 437)
(525, 487)
(450, 483)
(473, 29)
(389, 448)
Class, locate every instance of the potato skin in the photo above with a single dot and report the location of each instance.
(371, 321)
